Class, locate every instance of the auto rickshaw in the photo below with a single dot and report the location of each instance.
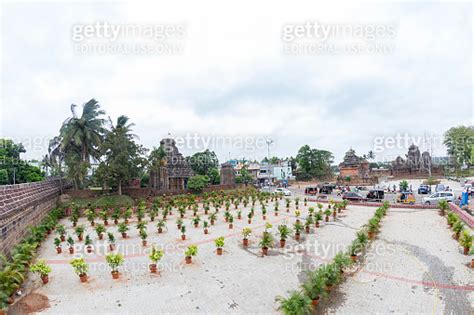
(311, 191)
(375, 195)
(406, 197)
(326, 189)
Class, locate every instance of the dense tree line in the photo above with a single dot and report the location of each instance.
(12, 168)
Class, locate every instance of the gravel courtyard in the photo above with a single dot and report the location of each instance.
(414, 266)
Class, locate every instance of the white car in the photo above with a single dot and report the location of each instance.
(436, 197)
(283, 191)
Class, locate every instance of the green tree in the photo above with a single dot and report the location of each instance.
(314, 163)
(123, 157)
(460, 143)
(203, 162)
(197, 183)
(214, 176)
(244, 177)
(81, 137)
(13, 168)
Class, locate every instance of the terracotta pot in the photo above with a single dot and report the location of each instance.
(466, 250)
(160, 230)
(206, 231)
(10, 300)
(59, 249)
(92, 223)
(326, 219)
(2, 312)
(196, 225)
(317, 224)
(144, 242)
(206, 212)
(249, 221)
(183, 237)
(124, 235)
(83, 278)
(282, 243)
(456, 236)
(178, 226)
(101, 236)
(80, 237)
(315, 302)
(188, 259)
(297, 236)
(264, 217)
(265, 251)
(74, 224)
(106, 222)
(182, 216)
(153, 268)
(339, 210)
(239, 217)
(45, 279)
(334, 214)
(63, 238)
(89, 249)
(219, 250)
(115, 275)
(115, 221)
(307, 229)
(71, 250)
(354, 258)
(245, 242)
(126, 221)
(111, 247)
(472, 263)
(276, 214)
(231, 226)
(212, 222)
(371, 235)
(287, 210)
(328, 288)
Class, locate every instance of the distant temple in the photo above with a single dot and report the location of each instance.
(415, 163)
(227, 174)
(354, 169)
(174, 173)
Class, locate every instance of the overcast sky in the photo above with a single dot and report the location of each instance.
(233, 81)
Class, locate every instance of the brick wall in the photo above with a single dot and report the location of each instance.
(23, 205)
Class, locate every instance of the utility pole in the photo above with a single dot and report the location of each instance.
(269, 142)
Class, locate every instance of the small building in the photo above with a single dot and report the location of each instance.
(354, 169)
(227, 174)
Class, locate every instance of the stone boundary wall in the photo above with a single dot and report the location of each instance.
(23, 205)
(378, 204)
(463, 215)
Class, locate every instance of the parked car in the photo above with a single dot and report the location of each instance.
(424, 190)
(352, 196)
(375, 195)
(436, 197)
(440, 187)
(326, 189)
(283, 191)
(406, 197)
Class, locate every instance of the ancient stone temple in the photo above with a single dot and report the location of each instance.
(227, 174)
(354, 167)
(415, 163)
(174, 173)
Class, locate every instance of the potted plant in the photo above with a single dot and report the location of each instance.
(298, 228)
(127, 214)
(181, 211)
(308, 223)
(342, 261)
(70, 242)
(160, 225)
(344, 204)
(318, 217)
(457, 228)
(231, 222)
(297, 202)
(123, 228)
(246, 233)
(354, 248)
(314, 286)
(264, 213)
(443, 207)
(249, 216)
(219, 244)
(191, 251)
(213, 218)
(155, 256)
(239, 215)
(116, 215)
(332, 275)
(266, 242)
(104, 215)
(143, 235)
(100, 230)
(79, 230)
(305, 201)
(111, 238)
(80, 268)
(284, 231)
(57, 243)
(327, 213)
(206, 226)
(362, 237)
(183, 232)
(452, 218)
(88, 243)
(466, 241)
(61, 231)
(90, 216)
(141, 225)
(74, 219)
(196, 221)
(296, 303)
(114, 261)
(41, 268)
(373, 227)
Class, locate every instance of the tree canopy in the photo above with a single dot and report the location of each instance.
(12, 168)
(314, 163)
(460, 144)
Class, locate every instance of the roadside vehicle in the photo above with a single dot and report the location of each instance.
(438, 196)
(406, 197)
(352, 196)
(310, 190)
(440, 187)
(375, 195)
(326, 189)
(283, 191)
(424, 189)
